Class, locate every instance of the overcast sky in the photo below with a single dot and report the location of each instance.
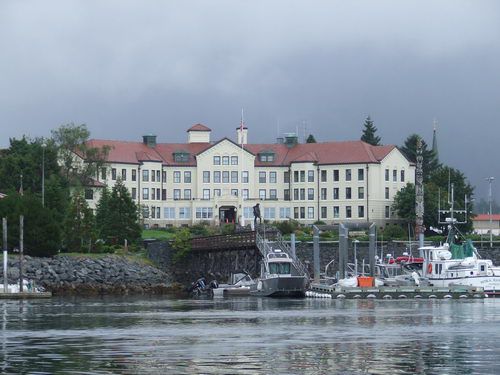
(126, 68)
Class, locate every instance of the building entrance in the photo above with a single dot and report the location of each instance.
(227, 214)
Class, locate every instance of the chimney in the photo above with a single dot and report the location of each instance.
(149, 140)
(280, 140)
(242, 135)
(291, 139)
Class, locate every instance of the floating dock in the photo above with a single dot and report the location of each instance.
(386, 292)
(25, 295)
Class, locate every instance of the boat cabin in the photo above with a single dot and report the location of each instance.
(278, 263)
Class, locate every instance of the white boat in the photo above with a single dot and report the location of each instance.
(452, 265)
(238, 285)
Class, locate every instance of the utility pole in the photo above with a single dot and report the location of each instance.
(419, 196)
(490, 180)
(5, 259)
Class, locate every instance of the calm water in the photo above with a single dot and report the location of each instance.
(249, 336)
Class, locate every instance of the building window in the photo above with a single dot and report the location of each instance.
(302, 194)
(323, 212)
(302, 176)
(234, 177)
(187, 177)
(286, 177)
(295, 176)
(184, 213)
(336, 174)
(273, 194)
(386, 193)
(245, 194)
(181, 157)
(286, 194)
(234, 160)
(217, 177)
(163, 176)
(177, 177)
(272, 177)
(262, 177)
(216, 192)
(387, 212)
(361, 192)
(206, 193)
(134, 193)
(234, 192)
(163, 194)
(348, 212)
(244, 177)
(323, 193)
(225, 177)
(302, 212)
(153, 212)
(153, 194)
(145, 175)
(402, 176)
(310, 194)
(124, 175)
(206, 177)
(336, 212)
(152, 176)
(103, 173)
(145, 193)
(394, 175)
(323, 176)
(89, 194)
(225, 160)
(262, 193)
(310, 176)
(158, 175)
(169, 212)
(387, 175)
(177, 194)
(269, 213)
(266, 157)
(204, 213)
(361, 174)
(295, 194)
(335, 193)
(134, 175)
(348, 175)
(284, 212)
(310, 212)
(361, 211)
(187, 194)
(348, 194)
(295, 212)
(216, 160)
(248, 212)
(113, 174)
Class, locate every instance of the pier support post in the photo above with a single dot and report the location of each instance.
(5, 256)
(372, 250)
(316, 253)
(343, 237)
(292, 246)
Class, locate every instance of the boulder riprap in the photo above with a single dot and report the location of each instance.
(111, 274)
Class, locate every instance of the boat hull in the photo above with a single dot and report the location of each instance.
(282, 286)
(490, 284)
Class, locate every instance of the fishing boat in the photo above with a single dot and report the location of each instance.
(279, 277)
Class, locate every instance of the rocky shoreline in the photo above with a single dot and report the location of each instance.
(111, 275)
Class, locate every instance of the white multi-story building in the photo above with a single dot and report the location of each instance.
(201, 180)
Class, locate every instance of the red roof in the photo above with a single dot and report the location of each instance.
(486, 217)
(349, 152)
(199, 128)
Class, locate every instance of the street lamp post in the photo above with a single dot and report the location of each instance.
(43, 173)
(490, 180)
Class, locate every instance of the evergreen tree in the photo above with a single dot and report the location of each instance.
(79, 225)
(118, 216)
(430, 162)
(311, 139)
(369, 131)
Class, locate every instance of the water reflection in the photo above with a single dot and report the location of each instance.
(249, 336)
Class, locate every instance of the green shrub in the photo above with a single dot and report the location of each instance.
(227, 229)
(287, 227)
(181, 243)
(392, 232)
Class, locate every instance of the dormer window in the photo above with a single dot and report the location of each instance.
(181, 157)
(267, 157)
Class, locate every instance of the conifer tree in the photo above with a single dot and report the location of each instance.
(311, 139)
(369, 131)
(79, 228)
